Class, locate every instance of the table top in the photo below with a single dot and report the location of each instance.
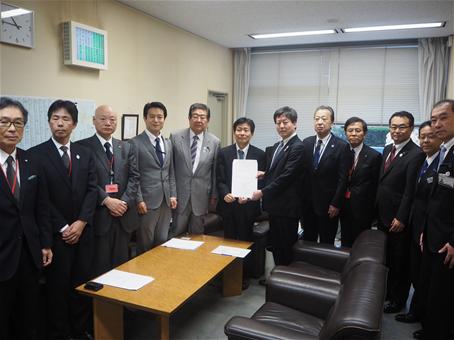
(178, 274)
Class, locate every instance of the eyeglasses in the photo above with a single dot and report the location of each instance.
(201, 117)
(398, 127)
(18, 124)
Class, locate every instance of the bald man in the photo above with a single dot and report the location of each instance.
(118, 180)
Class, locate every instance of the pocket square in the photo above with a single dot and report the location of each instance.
(31, 177)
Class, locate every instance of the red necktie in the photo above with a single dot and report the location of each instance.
(391, 157)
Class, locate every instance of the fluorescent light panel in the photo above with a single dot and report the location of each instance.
(290, 34)
(393, 27)
(14, 12)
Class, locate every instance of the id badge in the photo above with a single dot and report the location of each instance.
(111, 188)
(446, 181)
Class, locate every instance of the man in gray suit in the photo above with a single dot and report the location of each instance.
(195, 155)
(118, 180)
(157, 193)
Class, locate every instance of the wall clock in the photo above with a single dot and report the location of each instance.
(17, 26)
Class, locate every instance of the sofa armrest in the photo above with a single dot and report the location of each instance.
(240, 327)
(307, 295)
(322, 255)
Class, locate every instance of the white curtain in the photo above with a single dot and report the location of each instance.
(433, 59)
(241, 64)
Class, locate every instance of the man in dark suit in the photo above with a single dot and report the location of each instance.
(25, 235)
(437, 273)
(358, 211)
(280, 192)
(70, 174)
(327, 160)
(427, 169)
(238, 213)
(394, 198)
(118, 180)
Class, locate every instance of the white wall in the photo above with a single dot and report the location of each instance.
(149, 60)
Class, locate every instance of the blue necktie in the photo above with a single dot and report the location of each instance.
(441, 156)
(159, 152)
(316, 156)
(240, 154)
(108, 152)
(277, 154)
(423, 169)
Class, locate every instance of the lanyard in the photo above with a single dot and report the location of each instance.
(111, 171)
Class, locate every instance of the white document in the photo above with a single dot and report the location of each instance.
(244, 177)
(182, 244)
(125, 280)
(231, 251)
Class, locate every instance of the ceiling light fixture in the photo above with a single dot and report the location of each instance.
(393, 27)
(14, 13)
(290, 34)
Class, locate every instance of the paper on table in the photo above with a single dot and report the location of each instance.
(182, 244)
(244, 177)
(231, 251)
(125, 280)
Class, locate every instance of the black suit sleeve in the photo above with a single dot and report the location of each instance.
(130, 193)
(291, 172)
(221, 175)
(403, 212)
(376, 166)
(89, 203)
(43, 212)
(345, 162)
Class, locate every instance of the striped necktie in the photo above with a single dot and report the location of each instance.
(195, 140)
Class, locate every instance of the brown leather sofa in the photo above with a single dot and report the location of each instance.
(308, 308)
(328, 263)
(327, 293)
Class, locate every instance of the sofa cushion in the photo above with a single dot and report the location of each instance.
(358, 308)
(308, 270)
(288, 318)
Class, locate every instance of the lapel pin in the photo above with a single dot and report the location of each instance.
(332, 145)
(25, 160)
(401, 154)
(448, 173)
(77, 156)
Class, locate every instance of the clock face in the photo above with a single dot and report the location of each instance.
(17, 27)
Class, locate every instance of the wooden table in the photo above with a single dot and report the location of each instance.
(178, 274)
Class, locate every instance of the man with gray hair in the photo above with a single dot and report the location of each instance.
(115, 216)
(280, 194)
(195, 153)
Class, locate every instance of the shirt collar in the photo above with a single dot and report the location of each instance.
(430, 159)
(152, 136)
(103, 141)
(358, 149)
(58, 145)
(325, 139)
(288, 138)
(246, 148)
(4, 156)
(448, 144)
(192, 134)
(400, 146)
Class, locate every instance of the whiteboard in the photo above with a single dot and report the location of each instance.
(37, 129)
